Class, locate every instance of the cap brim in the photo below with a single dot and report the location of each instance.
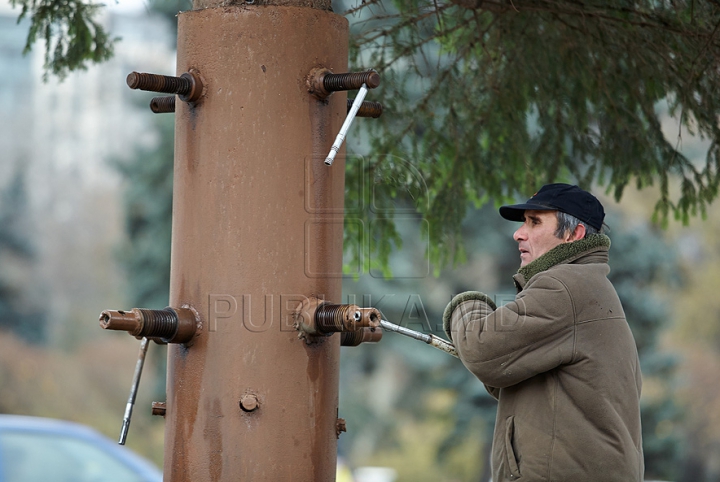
(516, 212)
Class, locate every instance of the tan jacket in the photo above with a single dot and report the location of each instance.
(563, 365)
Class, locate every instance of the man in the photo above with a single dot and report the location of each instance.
(560, 359)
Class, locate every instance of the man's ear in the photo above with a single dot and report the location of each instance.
(579, 233)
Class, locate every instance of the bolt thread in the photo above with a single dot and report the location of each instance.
(163, 105)
(330, 317)
(159, 323)
(351, 81)
(159, 83)
(363, 335)
(351, 338)
(367, 108)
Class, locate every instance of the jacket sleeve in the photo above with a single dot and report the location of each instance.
(493, 391)
(531, 335)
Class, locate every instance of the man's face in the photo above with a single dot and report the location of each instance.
(536, 236)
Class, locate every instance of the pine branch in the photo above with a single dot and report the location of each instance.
(530, 91)
(72, 36)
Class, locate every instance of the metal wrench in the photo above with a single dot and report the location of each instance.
(430, 339)
(133, 391)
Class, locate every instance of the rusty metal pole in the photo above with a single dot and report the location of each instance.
(257, 226)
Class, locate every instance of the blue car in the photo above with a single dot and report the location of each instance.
(34, 449)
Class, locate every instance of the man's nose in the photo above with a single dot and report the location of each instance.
(519, 235)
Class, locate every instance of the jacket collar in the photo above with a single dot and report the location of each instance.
(562, 254)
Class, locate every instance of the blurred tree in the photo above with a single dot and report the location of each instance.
(148, 218)
(644, 266)
(699, 305)
(18, 312)
(697, 335)
(148, 199)
(489, 99)
(71, 33)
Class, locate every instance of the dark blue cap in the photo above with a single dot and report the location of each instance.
(560, 197)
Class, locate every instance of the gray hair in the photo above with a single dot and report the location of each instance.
(567, 224)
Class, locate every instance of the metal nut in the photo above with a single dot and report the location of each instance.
(159, 408)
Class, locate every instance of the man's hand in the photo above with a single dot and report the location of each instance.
(456, 301)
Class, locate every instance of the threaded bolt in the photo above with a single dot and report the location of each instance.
(163, 104)
(330, 317)
(159, 83)
(169, 325)
(188, 86)
(367, 108)
(351, 81)
(321, 82)
(363, 335)
(159, 323)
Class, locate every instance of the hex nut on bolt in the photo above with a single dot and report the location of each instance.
(315, 82)
(249, 403)
(159, 408)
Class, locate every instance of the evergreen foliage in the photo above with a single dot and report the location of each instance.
(148, 219)
(73, 36)
(490, 99)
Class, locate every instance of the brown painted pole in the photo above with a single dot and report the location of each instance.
(257, 226)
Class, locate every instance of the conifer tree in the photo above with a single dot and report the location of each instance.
(18, 313)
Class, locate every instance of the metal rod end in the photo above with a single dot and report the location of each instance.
(124, 432)
(373, 79)
(129, 321)
(133, 80)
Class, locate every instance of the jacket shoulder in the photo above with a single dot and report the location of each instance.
(592, 295)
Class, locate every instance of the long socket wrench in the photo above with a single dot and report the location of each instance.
(133, 391)
(430, 339)
(346, 125)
